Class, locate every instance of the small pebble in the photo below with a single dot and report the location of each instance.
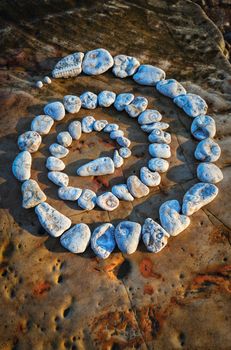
(203, 127)
(39, 84)
(103, 240)
(64, 138)
(117, 159)
(89, 100)
(123, 141)
(121, 191)
(208, 172)
(171, 219)
(125, 152)
(149, 178)
(72, 103)
(99, 125)
(111, 127)
(207, 150)
(75, 129)
(158, 164)
(69, 193)
(55, 110)
(29, 141)
(58, 178)
(97, 62)
(170, 88)
(136, 187)
(97, 167)
(32, 194)
(125, 66)
(159, 136)
(158, 125)
(115, 134)
(87, 124)
(54, 164)
(106, 98)
(47, 80)
(76, 239)
(137, 106)
(127, 236)
(42, 124)
(87, 200)
(21, 166)
(58, 151)
(107, 201)
(122, 100)
(149, 116)
(154, 236)
(148, 75)
(193, 105)
(159, 150)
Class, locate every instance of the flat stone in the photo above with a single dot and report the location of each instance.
(117, 159)
(99, 125)
(87, 124)
(159, 150)
(29, 141)
(55, 110)
(149, 116)
(198, 196)
(203, 127)
(72, 103)
(123, 141)
(106, 98)
(21, 166)
(69, 66)
(149, 178)
(75, 129)
(170, 88)
(125, 66)
(136, 187)
(171, 219)
(87, 200)
(58, 151)
(115, 134)
(52, 220)
(69, 193)
(103, 240)
(97, 62)
(89, 100)
(154, 236)
(32, 194)
(122, 100)
(207, 150)
(121, 191)
(158, 125)
(64, 138)
(127, 236)
(54, 164)
(42, 124)
(148, 75)
(76, 239)
(111, 127)
(97, 167)
(58, 178)
(107, 201)
(159, 136)
(137, 106)
(125, 152)
(158, 164)
(208, 172)
(193, 105)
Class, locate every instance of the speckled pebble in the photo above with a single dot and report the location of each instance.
(158, 164)
(47, 80)
(58, 151)
(103, 240)
(87, 124)
(68, 66)
(137, 106)
(111, 127)
(64, 138)
(125, 152)
(21, 166)
(55, 164)
(170, 88)
(75, 129)
(117, 159)
(127, 235)
(76, 239)
(29, 141)
(136, 187)
(42, 124)
(89, 100)
(115, 134)
(149, 116)
(207, 150)
(72, 103)
(149, 178)
(107, 201)
(32, 194)
(97, 62)
(193, 105)
(122, 100)
(58, 178)
(55, 110)
(148, 75)
(69, 193)
(207, 172)
(159, 150)
(158, 125)
(97, 167)
(106, 98)
(125, 66)
(87, 200)
(154, 236)
(159, 136)
(99, 125)
(123, 141)
(203, 127)
(171, 219)
(121, 191)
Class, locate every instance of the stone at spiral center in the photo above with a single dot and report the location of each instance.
(99, 166)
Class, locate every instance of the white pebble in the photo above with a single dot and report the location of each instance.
(58, 178)
(64, 138)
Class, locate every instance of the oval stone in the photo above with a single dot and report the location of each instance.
(125, 66)
(154, 236)
(115, 134)
(29, 141)
(54, 164)
(148, 75)
(58, 151)
(55, 110)
(171, 219)
(149, 116)
(87, 200)
(89, 100)
(69, 66)
(97, 62)
(125, 152)
(76, 239)
(127, 236)
(106, 98)
(21, 166)
(103, 240)
(75, 129)
(87, 124)
(158, 164)
(111, 127)
(149, 178)
(122, 100)
(121, 192)
(64, 138)
(58, 178)
(99, 125)
(123, 141)
(159, 150)
(42, 124)
(97, 167)
(207, 150)
(158, 125)
(170, 88)
(69, 193)
(107, 201)
(203, 127)
(207, 172)
(136, 187)
(193, 105)
(72, 103)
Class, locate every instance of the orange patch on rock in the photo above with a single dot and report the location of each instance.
(41, 288)
(148, 289)
(146, 269)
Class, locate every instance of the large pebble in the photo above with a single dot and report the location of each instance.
(136, 187)
(125, 66)
(103, 240)
(58, 151)
(55, 164)
(149, 178)
(123, 141)
(87, 124)
(170, 88)
(32, 194)
(72, 103)
(149, 116)
(69, 66)
(106, 98)
(121, 191)
(22, 166)
(88, 100)
(87, 200)
(198, 196)
(127, 235)
(75, 129)
(107, 201)
(117, 159)
(203, 127)
(97, 62)
(192, 104)
(159, 136)
(99, 125)
(52, 220)
(42, 124)
(159, 150)
(148, 75)
(97, 167)
(171, 219)
(115, 134)
(55, 110)
(58, 178)
(122, 100)
(158, 164)
(29, 141)
(111, 127)
(76, 239)
(158, 125)
(125, 152)
(137, 106)
(207, 150)
(154, 236)
(64, 138)
(207, 172)
(69, 193)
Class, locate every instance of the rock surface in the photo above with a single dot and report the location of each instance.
(158, 164)
(170, 88)
(107, 201)
(207, 172)
(137, 106)
(55, 164)
(75, 129)
(64, 138)
(58, 178)
(192, 104)
(207, 150)
(106, 98)
(203, 127)
(136, 187)
(122, 100)
(89, 100)
(87, 200)
(69, 193)
(55, 110)
(149, 116)
(58, 151)
(159, 150)
(124, 66)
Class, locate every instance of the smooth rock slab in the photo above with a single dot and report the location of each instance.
(203, 127)
(123, 141)
(198, 196)
(58, 178)
(29, 141)
(106, 98)
(125, 152)
(149, 178)
(207, 172)
(58, 151)
(170, 88)
(158, 125)
(21, 166)
(103, 240)
(72, 103)
(32, 194)
(158, 164)
(111, 127)
(69, 193)
(42, 124)
(99, 125)
(97, 62)
(127, 236)
(87, 200)
(117, 159)
(149, 116)
(159, 136)
(107, 201)
(64, 138)
(136, 187)
(171, 219)
(52, 220)
(55, 110)
(207, 150)
(75, 129)
(69, 66)
(89, 100)
(148, 75)
(154, 236)
(125, 66)
(87, 124)
(193, 105)
(159, 150)
(121, 191)
(99, 166)
(122, 100)
(55, 164)
(137, 106)
(76, 239)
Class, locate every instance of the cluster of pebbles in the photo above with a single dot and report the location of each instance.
(173, 217)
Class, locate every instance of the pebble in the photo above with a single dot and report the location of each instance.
(159, 150)
(29, 141)
(125, 66)
(116, 133)
(55, 110)
(170, 88)
(69, 66)
(125, 152)
(87, 200)
(42, 124)
(203, 127)
(192, 104)
(106, 98)
(149, 178)
(54, 164)
(72, 103)
(127, 236)
(122, 100)
(21, 166)
(159, 136)
(69, 193)
(121, 192)
(88, 100)
(136, 187)
(208, 172)
(107, 201)
(52, 220)
(99, 125)
(87, 124)
(198, 196)
(97, 167)
(149, 116)
(47, 80)
(97, 62)
(39, 84)
(154, 236)
(123, 141)
(171, 219)
(117, 159)
(64, 138)
(58, 151)
(148, 75)
(76, 239)
(207, 150)
(137, 106)
(158, 125)
(158, 164)
(103, 240)
(58, 178)
(32, 194)
(75, 129)
(111, 127)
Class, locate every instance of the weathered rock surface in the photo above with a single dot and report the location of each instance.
(207, 172)
(192, 104)
(58, 151)
(55, 164)
(149, 178)
(149, 116)
(159, 150)
(87, 200)
(136, 187)
(89, 100)
(121, 191)
(122, 100)
(64, 138)
(170, 88)
(125, 66)
(158, 164)
(106, 98)
(69, 193)
(207, 150)
(75, 129)
(107, 201)
(58, 178)
(203, 127)
(137, 106)
(148, 75)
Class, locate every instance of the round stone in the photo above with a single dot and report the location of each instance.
(170, 88)
(148, 75)
(136, 187)
(58, 151)
(97, 62)
(125, 152)
(55, 110)
(149, 116)
(207, 150)
(42, 124)
(76, 239)
(106, 98)
(87, 124)
(121, 191)
(159, 150)
(58, 178)
(55, 164)
(75, 129)
(99, 125)
(149, 178)
(39, 84)
(137, 106)
(69, 193)
(88, 100)
(192, 104)
(203, 127)
(122, 100)
(107, 201)
(125, 66)
(103, 240)
(123, 141)
(127, 235)
(72, 103)
(159, 136)
(158, 164)
(208, 172)
(21, 166)
(64, 138)
(154, 236)
(29, 141)
(87, 200)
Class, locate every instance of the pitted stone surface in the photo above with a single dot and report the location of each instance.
(69, 66)
(137, 106)
(72, 103)
(29, 141)
(89, 100)
(154, 236)
(122, 100)
(107, 201)
(127, 235)
(58, 178)
(203, 127)
(125, 66)
(149, 116)
(171, 219)
(158, 164)
(207, 150)
(106, 98)
(87, 200)
(159, 150)
(207, 172)
(192, 104)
